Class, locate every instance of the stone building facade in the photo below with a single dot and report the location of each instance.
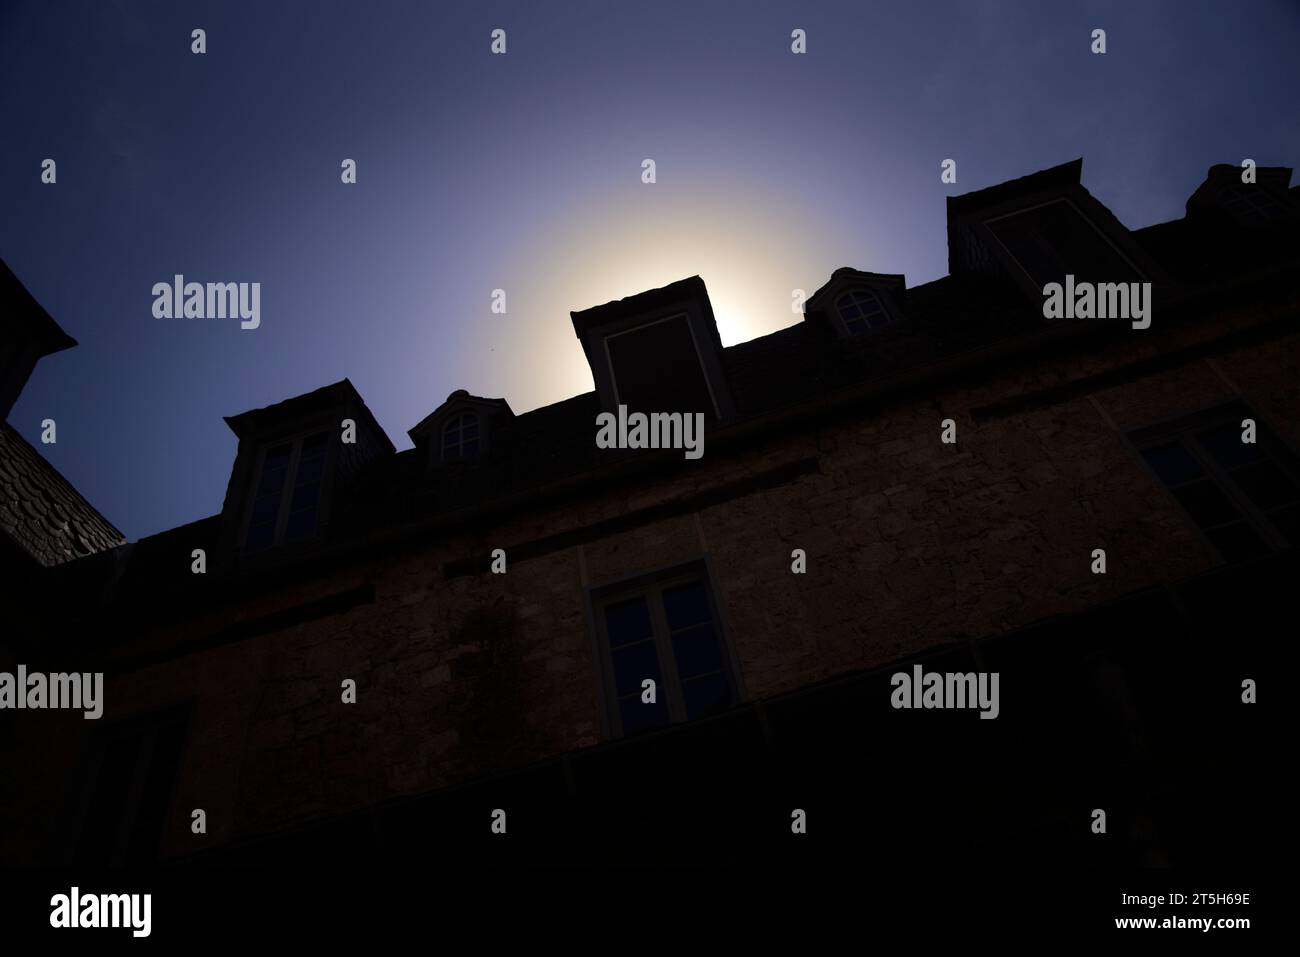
(478, 690)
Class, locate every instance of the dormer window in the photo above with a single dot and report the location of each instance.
(462, 429)
(657, 367)
(1250, 203)
(861, 311)
(286, 500)
(657, 351)
(855, 303)
(290, 470)
(460, 437)
(1055, 239)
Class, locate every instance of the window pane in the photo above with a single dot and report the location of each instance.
(1237, 542)
(265, 510)
(697, 652)
(1206, 503)
(260, 536)
(451, 434)
(1172, 463)
(686, 605)
(695, 665)
(1266, 485)
(310, 470)
(305, 496)
(272, 482)
(1056, 239)
(273, 471)
(1252, 202)
(706, 695)
(1224, 443)
(628, 621)
(1025, 248)
(160, 772)
(277, 457)
(637, 716)
(1083, 250)
(460, 437)
(657, 369)
(861, 310)
(266, 503)
(99, 841)
(856, 303)
(301, 525)
(633, 664)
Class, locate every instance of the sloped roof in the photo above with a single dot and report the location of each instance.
(1066, 174)
(341, 393)
(22, 309)
(457, 398)
(41, 512)
(966, 314)
(950, 317)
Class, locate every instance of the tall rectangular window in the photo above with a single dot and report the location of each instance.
(666, 629)
(266, 497)
(132, 773)
(1244, 497)
(287, 496)
(305, 502)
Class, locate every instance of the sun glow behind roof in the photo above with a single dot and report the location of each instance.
(750, 257)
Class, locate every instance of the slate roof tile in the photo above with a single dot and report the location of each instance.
(41, 511)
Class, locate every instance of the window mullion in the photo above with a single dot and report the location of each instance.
(1223, 479)
(286, 496)
(667, 663)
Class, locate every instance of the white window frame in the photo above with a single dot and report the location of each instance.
(1249, 203)
(460, 444)
(870, 330)
(1010, 256)
(699, 357)
(650, 586)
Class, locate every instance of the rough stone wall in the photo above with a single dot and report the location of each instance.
(910, 544)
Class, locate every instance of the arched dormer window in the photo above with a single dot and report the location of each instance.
(856, 304)
(461, 429)
(460, 437)
(861, 311)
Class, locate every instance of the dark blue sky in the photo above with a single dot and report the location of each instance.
(522, 172)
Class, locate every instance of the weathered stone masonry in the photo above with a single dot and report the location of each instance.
(911, 544)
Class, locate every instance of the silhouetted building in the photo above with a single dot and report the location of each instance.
(44, 520)
(476, 690)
